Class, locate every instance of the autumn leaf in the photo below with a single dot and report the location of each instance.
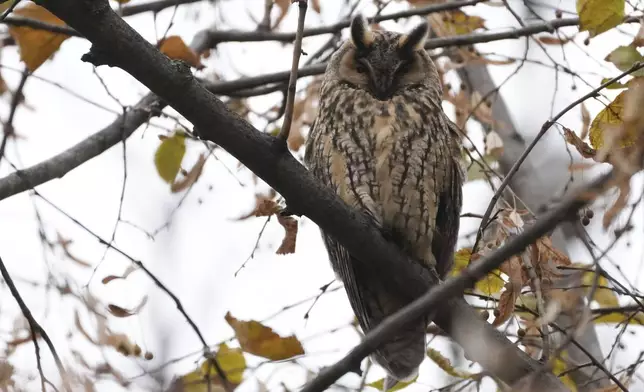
(582, 147)
(257, 339)
(169, 155)
(559, 367)
(604, 296)
(624, 57)
(609, 119)
(459, 23)
(122, 312)
(230, 360)
(446, 365)
(290, 234)
(548, 40)
(490, 284)
(174, 47)
(620, 318)
(315, 5)
(506, 303)
(36, 46)
(263, 207)
(191, 177)
(379, 384)
(131, 268)
(598, 16)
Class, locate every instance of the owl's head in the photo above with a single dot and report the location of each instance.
(384, 62)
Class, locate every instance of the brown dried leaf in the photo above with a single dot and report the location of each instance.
(263, 207)
(64, 243)
(283, 7)
(191, 177)
(36, 45)
(174, 47)
(315, 5)
(582, 147)
(639, 37)
(506, 303)
(6, 375)
(585, 121)
(257, 339)
(548, 40)
(290, 234)
(122, 312)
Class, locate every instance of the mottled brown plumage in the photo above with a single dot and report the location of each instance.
(382, 142)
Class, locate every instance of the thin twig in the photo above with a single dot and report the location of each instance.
(546, 126)
(10, 9)
(159, 284)
(36, 329)
(8, 129)
(292, 81)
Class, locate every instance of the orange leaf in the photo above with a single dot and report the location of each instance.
(174, 47)
(257, 339)
(36, 46)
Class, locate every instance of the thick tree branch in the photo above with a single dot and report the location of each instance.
(119, 44)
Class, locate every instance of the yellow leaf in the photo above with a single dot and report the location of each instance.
(230, 360)
(458, 22)
(609, 119)
(598, 16)
(558, 367)
(174, 47)
(604, 296)
(378, 384)
(36, 46)
(619, 318)
(623, 57)
(489, 284)
(257, 339)
(169, 155)
(446, 365)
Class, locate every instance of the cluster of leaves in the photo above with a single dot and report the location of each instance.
(255, 339)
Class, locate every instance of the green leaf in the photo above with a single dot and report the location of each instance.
(624, 57)
(598, 16)
(169, 155)
(400, 385)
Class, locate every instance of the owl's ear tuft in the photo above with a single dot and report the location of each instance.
(361, 33)
(415, 39)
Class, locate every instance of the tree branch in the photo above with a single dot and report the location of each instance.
(36, 329)
(292, 80)
(117, 42)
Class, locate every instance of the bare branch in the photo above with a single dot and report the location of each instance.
(36, 329)
(292, 81)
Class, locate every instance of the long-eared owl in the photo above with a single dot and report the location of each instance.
(382, 142)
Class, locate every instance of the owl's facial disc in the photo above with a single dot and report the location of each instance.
(381, 61)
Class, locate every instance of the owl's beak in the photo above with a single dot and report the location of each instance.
(383, 89)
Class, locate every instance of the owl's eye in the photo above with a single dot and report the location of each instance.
(361, 68)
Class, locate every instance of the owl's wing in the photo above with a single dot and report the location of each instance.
(450, 201)
(372, 302)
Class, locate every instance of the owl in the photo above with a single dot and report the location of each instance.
(383, 144)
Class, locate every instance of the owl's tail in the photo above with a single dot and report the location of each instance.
(372, 302)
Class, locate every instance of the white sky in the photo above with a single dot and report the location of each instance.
(199, 253)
